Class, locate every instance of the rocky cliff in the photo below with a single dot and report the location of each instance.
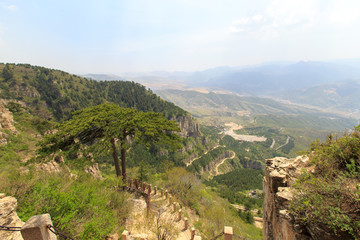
(188, 126)
(280, 174)
(6, 123)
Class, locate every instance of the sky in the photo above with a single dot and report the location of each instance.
(117, 36)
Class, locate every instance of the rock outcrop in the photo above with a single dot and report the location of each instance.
(8, 217)
(280, 174)
(188, 126)
(279, 224)
(6, 123)
(94, 171)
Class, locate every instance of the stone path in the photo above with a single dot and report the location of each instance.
(162, 219)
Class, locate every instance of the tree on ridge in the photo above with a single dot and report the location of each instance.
(104, 126)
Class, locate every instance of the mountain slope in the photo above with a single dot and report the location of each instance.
(336, 97)
(53, 93)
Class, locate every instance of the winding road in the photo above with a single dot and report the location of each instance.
(273, 144)
(192, 160)
(286, 143)
(220, 163)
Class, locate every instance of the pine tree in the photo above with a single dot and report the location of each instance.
(105, 126)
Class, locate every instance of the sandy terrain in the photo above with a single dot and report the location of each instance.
(231, 127)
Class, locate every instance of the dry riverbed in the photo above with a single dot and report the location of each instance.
(231, 127)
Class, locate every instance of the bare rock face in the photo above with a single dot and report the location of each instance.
(188, 126)
(279, 224)
(94, 171)
(50, 167)
(6, 123)
(280, 174)
(55, 166)
(8, 217)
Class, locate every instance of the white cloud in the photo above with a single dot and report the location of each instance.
(9, 7)
(247, 24)
(278, 16)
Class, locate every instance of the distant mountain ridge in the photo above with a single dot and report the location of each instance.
(305, 82)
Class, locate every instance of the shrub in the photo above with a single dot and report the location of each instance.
(335, 182)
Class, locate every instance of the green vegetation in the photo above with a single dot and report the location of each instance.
(236, 184)
(202, 163)
(214, 212)
(52, 93)
(303, 125)
(212, 104)
(250, 155)
(99, 126)
(81, 207)
(336, 182)
(241, 179)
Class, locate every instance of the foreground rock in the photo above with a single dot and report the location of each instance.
(280, 174)
(8, 217)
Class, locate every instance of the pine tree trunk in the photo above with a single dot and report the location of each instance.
(116, 159)
(123, 160)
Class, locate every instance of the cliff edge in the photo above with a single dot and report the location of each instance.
(280, 174)
(279, 223)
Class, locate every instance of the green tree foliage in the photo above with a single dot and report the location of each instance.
(201, 163)
(246, 217)
(102, 126)
(240, 179)
(7, 72)
(82, 208)
(235, 185)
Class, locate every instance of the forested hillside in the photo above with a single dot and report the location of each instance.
(38, 99)
(55, 94)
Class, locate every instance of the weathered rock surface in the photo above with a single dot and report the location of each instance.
(94, 171)
(188, 126)
(55, 166)
(280, 174)
(6, 123)
(279, 224)
(8, 217)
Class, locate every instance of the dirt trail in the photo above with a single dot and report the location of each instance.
(272, 144)
(192, 160)
(286, 143)
(220, 163)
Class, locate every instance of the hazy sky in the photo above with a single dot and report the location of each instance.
(115, 36)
